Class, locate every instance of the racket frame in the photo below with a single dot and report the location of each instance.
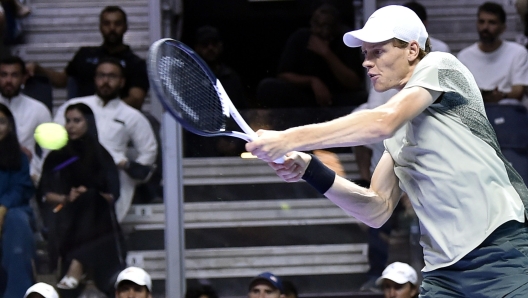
(228, 109)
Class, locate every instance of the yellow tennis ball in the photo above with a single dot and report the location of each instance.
(51, 136)
(285, 206)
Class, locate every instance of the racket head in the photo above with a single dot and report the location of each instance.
(186, 87)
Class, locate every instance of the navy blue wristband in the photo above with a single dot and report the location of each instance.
(318, 175)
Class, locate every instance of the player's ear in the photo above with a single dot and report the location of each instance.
(414, 51)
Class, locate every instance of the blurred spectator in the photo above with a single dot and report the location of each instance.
(118, 125)
(316, 68)
(436, 44)
(81, 69)
(80, 181)
(16, 189)
(266, 285)
(500, 67)
(209, 45)
(203, 291)
(41, 290)
(521, 7)
(290, 291)
(11, 11)
(29, 112)
(133, 282)
(399, 280)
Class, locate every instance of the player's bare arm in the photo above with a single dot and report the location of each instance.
(373, 205)
(359, 128)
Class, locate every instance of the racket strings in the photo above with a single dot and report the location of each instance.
(190, 90)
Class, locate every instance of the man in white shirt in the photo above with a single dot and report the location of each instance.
(28, 112)
(500, 67)
(118, 124)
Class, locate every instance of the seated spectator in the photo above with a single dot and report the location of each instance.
(290, 291)
(209, 45)
(203, 291)
(41, 290)
(80, 182)
(316, 68)
(16, 189)
(133, 282)
(500, 67)
(266, 284)
(81, 69)
(11, 11)
(399, 280)
(28, 112)
(118, 125)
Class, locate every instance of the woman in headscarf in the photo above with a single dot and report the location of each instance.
(81, 183)
(16, 189)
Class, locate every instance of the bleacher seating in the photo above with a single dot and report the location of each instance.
(245, 213)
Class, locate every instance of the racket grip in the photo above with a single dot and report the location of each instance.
(279, 160)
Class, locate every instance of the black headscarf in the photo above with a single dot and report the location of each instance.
(83, 161)
(10, 152)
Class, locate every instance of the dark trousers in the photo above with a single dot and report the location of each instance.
(496, 268)
(18, 251)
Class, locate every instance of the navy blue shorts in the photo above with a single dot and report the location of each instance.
(497, 268)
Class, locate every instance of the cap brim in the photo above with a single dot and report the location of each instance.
(397, 278)
(356, 38)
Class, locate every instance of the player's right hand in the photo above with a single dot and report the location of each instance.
(294, 166)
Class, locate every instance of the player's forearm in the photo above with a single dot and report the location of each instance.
(363, 127)
(361, 203)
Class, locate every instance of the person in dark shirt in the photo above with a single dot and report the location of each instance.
(316, 68)
(81, 69)
(209, 46)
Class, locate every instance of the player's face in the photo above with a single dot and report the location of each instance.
(11, 78)
(489, 27)
(4, 126)
(388, 66)
(113, 27)
(264, 290)
(395, 290)
(76, 125)
(108, 81)
(132, 290)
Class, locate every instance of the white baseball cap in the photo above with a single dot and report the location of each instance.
(399, 273)
(43, 289)
(135, 275)
(392, 21)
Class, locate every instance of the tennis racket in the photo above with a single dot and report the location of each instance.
(189, 90)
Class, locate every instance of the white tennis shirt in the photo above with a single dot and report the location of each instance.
(449, 163)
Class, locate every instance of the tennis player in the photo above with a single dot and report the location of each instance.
(439, 148)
